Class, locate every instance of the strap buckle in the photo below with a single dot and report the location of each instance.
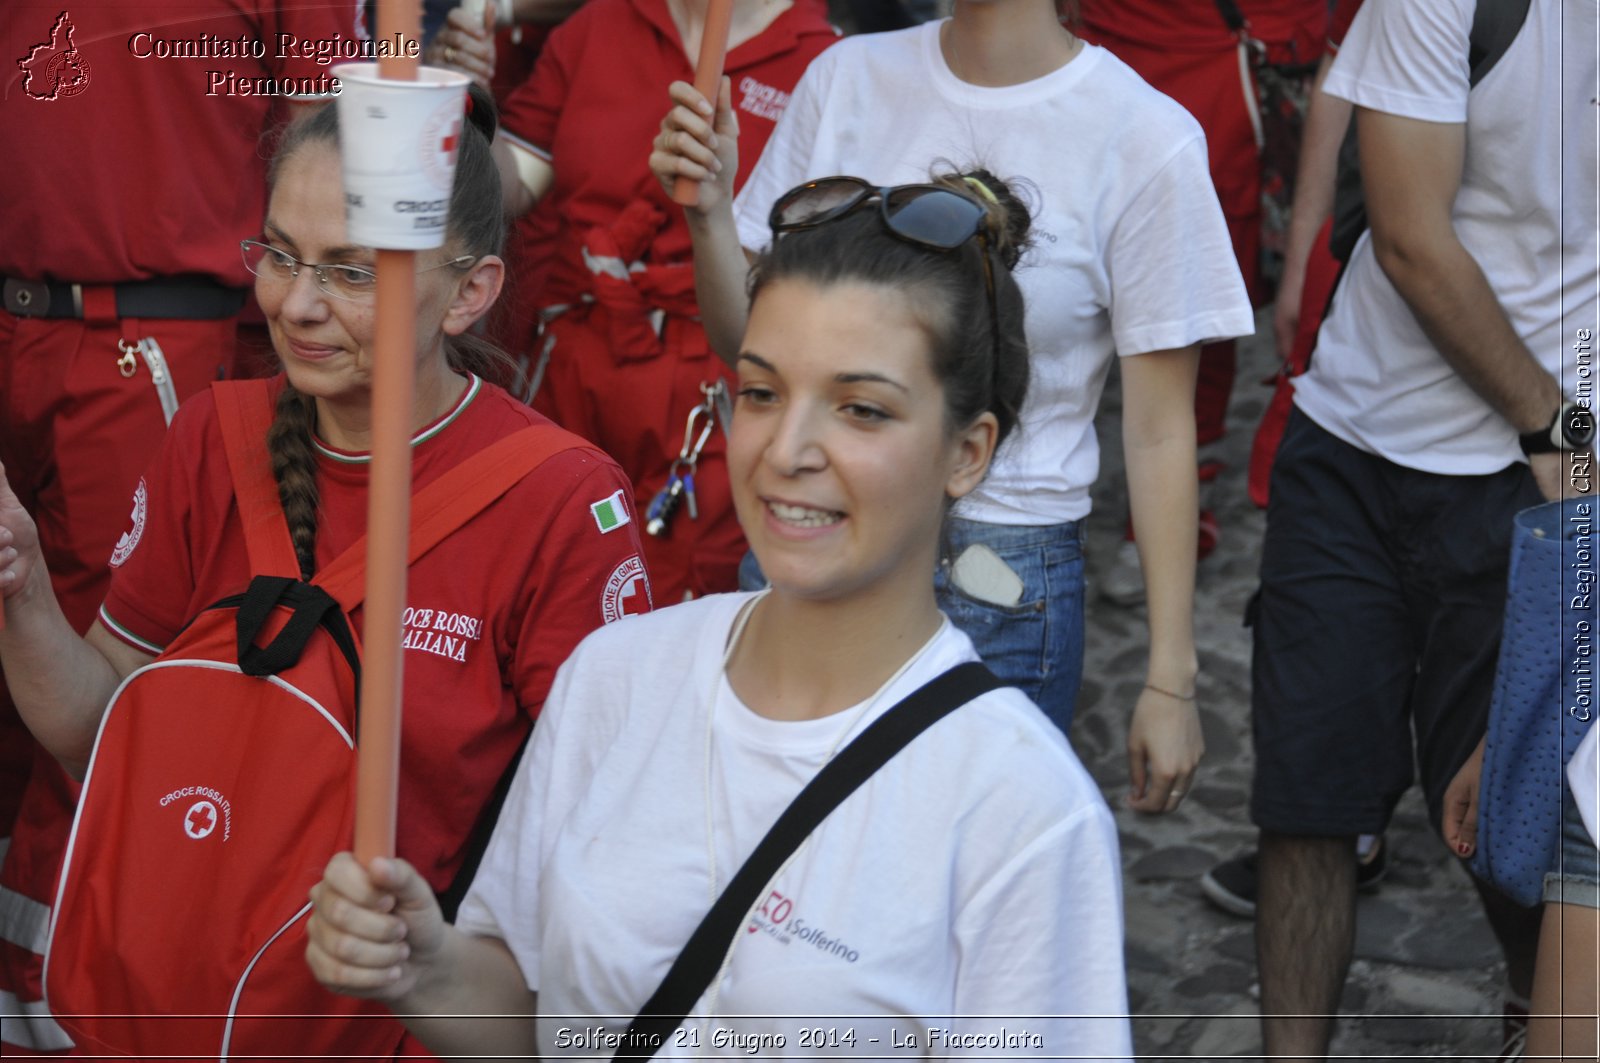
(27, 298)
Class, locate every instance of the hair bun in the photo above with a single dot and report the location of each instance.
(1009, 220)
(481, 111)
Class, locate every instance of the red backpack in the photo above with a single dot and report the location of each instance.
(222, 781)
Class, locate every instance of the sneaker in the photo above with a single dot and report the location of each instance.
(1513, 1031)
(1232, 885)
(1122, 582)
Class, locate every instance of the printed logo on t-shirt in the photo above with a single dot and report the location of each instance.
(776, 917)
(55, 69)
(204, 810)
(764, 101)
(610, 513)
(440, 632)
(627, 591)
(130, 538)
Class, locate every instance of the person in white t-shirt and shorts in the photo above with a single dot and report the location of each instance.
(1383, 573)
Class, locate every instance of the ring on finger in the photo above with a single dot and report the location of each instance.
(449, 54)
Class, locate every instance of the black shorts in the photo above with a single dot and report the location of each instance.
(1376, 626)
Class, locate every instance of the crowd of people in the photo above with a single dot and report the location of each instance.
(827, 440)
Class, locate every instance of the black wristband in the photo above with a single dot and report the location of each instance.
(1572, 428)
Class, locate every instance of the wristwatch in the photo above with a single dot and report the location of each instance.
(1572, 428)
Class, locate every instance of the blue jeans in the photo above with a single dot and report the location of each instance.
(1035, 645)
(1576, 879)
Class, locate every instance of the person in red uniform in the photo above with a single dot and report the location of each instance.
(1205, 55)
(492, 610)
(131, 175)
(623, 357)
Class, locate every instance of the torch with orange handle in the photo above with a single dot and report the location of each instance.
(388, 504)
(707, 79)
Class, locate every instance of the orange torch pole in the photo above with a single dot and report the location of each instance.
(388, 503)
(707, 79)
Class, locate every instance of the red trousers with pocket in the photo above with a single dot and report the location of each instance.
(75, 436)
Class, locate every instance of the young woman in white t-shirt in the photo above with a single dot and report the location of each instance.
(1128, 237)
(973, 877)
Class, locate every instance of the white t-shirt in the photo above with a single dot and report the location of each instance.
(976, 874)
(1525, 212)
(1131, 252)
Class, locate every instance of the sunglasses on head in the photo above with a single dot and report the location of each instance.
(930, 216)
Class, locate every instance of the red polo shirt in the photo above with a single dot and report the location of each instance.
(595, 102)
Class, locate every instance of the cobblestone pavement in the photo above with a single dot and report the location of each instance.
(1427, 978)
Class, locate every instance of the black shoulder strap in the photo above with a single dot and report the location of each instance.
(1495, 24)
(700, 959)
(478, 841)
(1231, 14)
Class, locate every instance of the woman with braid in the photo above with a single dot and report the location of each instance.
(492, 610)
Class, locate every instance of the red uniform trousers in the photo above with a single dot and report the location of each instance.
(75, 436)
(634, 408)
(1322, 273)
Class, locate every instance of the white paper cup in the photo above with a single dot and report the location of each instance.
(398, 142)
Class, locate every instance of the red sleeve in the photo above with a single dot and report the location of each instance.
(153, 572)
(582, 575)
(532, 110)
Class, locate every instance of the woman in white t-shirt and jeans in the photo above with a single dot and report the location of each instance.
(971, 882)
(1128, 234)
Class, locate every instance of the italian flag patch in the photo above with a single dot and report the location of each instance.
(610, 513)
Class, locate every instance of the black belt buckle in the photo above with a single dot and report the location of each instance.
(27, 298)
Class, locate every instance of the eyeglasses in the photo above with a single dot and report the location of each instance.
(356, 284)
(930, 216)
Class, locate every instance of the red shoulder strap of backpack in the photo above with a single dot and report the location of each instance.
(244, 409)
(450, 501)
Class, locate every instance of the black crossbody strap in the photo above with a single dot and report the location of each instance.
(1231, 14)
(702, 957)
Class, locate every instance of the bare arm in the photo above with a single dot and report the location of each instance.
(1316, 173)
(1164, 743)
(378, 933)
(59, 681)
(1410, 174)
(524, 177)
(688, 146)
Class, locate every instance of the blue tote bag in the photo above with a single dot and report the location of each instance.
(1544, 695)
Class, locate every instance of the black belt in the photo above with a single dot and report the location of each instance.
(185, 298)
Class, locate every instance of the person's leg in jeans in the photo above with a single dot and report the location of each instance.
(1566, 990)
